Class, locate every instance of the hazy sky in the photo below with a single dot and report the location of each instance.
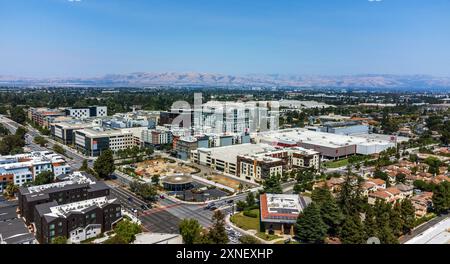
(51, 38)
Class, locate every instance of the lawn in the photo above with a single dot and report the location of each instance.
(267, 237)
(336, 164)
(292, 242)
(245, 222)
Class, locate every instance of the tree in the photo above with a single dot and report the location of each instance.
(396, 221)
(352, 231)
(41, 141)
(249, 240)
(84, 166)
(434, 164)
(44, 177)
(331, 215)
(348, 196)
(155, 179)
(127, 230)
(190, 230)
(59, 149)
(241, 205)
(310, 227)
(441, 198)
(146, 191)
(400, 178)
(250, 200)
(382, 175)
(104, 165)
(272, 185)
(60, 240)
(408, 214)
(18, 115)
(11, 189)
(217, 233)
(370, 225)
(320, 195)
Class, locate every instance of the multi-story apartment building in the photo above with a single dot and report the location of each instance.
(85, 112)
(255, 162)
(22, 168)
(40, 116)
(76, 221)
(156, 137)
(68, 189)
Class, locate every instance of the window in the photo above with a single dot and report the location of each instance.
(52, 226)
(52, 233)
(93, 215)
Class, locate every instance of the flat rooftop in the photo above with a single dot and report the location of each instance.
(74, 178)
(281, 208)
(295, 136)
(230, 153)
(64, 210)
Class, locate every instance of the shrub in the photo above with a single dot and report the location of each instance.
(251, 214)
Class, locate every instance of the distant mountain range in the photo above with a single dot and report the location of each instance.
(143, 79)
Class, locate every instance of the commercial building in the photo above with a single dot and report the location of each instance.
(185, 145)
(85, 112)
(177, 182)
(93, 141)
(345, 128)
(69, 188)
(77, 221)
(331, 146)
(22, 168)
(279, 212)
(64, 132)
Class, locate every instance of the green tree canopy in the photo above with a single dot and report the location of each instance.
(310, 227)
(104, 165)
(190, 230)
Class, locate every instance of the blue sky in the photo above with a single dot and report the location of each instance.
(53, 38)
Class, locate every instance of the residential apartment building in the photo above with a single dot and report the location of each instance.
(22, 168)
(77, 221)
(40, 116)
(68, 189)
(156, 137)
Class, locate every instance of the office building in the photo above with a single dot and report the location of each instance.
(279, 212)
(86, 112)
(93, 141)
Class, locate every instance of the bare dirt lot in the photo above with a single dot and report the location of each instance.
(225, 181)
(162, 167)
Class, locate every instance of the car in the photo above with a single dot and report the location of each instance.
(144, 207)
(230, 201)
(212, 208)
(162, 196)
(130, 199)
